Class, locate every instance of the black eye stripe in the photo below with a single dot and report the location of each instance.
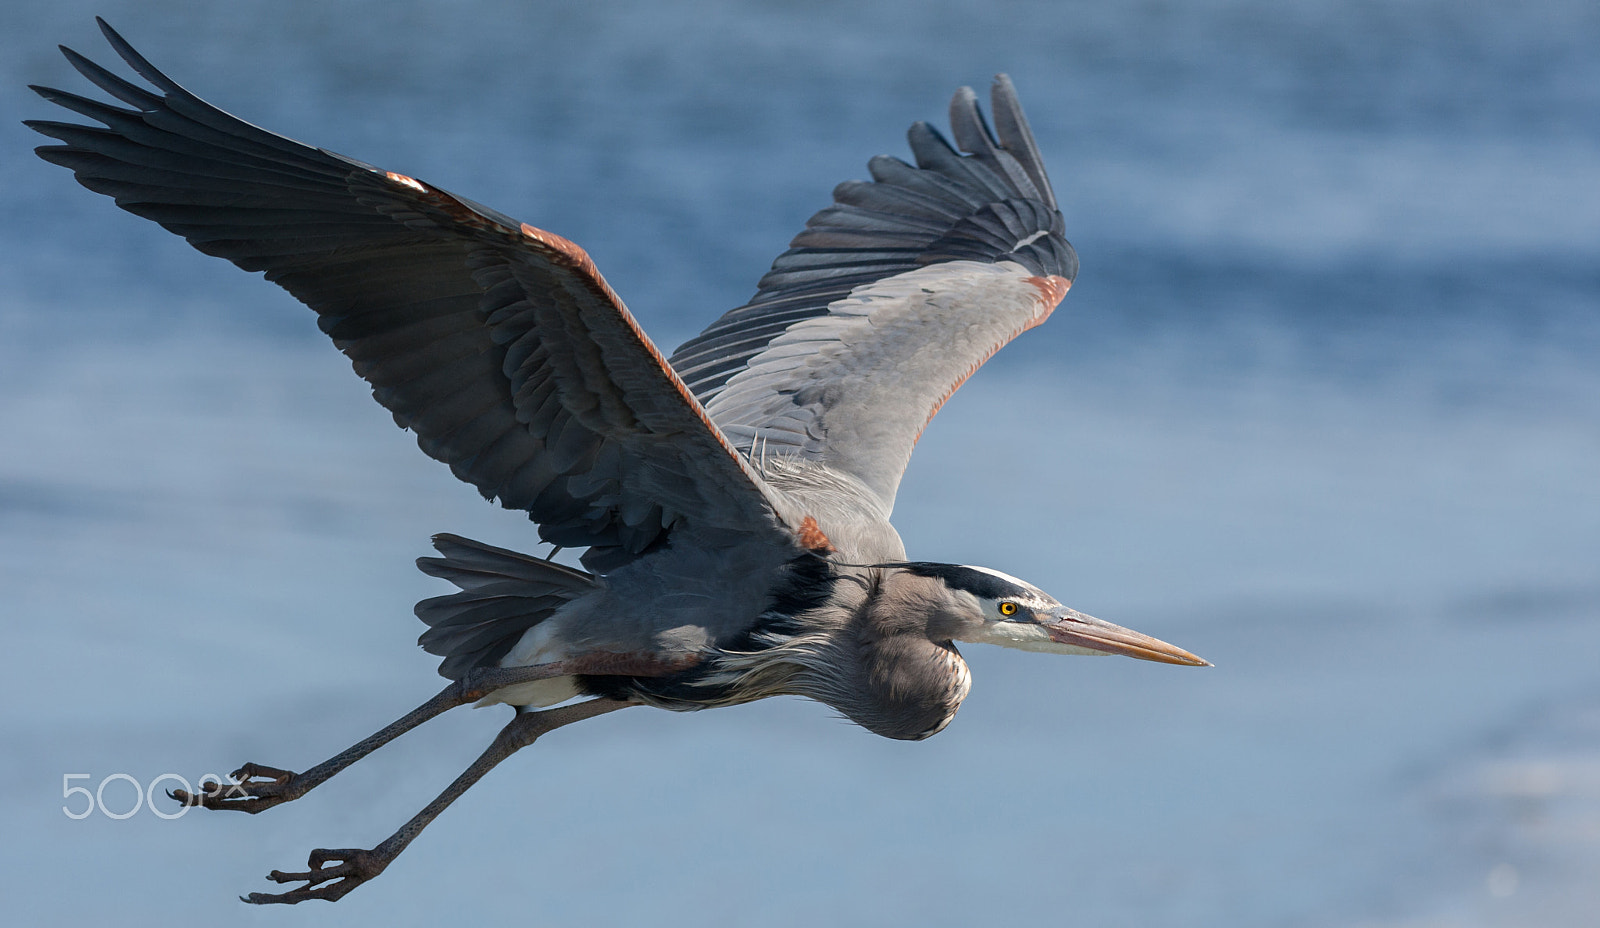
(979, 583)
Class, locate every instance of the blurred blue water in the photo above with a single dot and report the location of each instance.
(1323, 407)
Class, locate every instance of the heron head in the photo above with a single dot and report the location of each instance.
(989, 607)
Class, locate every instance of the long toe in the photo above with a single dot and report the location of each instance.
(253, 771)
(341, 870)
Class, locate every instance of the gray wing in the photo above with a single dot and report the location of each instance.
(498, 344)
(890, 299)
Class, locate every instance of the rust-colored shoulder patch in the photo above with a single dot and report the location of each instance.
(1053, 289)
(575, 256)
(812, 537)
(405, 181)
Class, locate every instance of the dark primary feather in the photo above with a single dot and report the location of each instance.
(980, 206)
(499, 345)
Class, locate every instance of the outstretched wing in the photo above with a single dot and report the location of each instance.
(890, 299)
(499, 344)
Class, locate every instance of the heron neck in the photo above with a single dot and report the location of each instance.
(907, 685)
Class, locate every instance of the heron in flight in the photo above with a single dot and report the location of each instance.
(733, 499)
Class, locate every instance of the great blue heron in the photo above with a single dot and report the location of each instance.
(734, 500)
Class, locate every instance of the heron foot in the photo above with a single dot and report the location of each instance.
(347, 868)
(252, 788)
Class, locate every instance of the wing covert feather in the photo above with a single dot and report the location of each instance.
(855, 387)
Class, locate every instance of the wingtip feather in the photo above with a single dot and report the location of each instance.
(967, 124)
(123, 90)
(1016, 137)
(137, 61)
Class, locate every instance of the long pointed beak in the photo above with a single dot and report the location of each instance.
(1071, 627)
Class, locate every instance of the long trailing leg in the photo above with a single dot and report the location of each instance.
(334, 872)
(256, 787)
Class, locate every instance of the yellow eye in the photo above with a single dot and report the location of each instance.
(1008, 608)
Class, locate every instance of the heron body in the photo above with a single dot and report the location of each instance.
(733, 500)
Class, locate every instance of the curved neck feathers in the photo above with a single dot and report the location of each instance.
(890, 667)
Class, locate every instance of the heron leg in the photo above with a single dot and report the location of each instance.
(344, 869)
(257, 787)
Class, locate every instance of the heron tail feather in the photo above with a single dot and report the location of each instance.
(502, 595)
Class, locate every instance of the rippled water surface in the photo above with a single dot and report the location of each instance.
(1323, 407)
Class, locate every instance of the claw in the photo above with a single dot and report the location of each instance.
(351, 867)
